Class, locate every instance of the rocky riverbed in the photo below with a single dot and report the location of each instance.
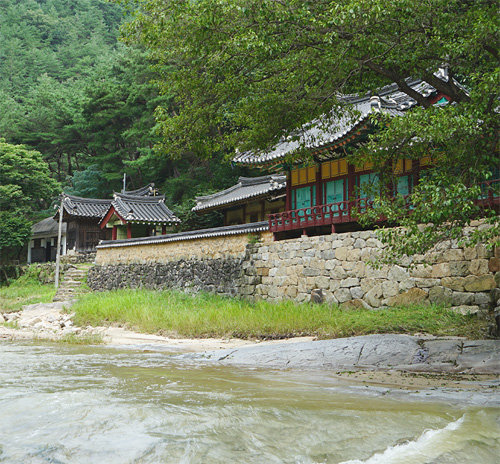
(42, 321)
(373, 352)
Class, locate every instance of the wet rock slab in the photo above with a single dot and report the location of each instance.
(372, 352)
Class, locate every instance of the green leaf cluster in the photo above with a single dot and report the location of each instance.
(25, 187)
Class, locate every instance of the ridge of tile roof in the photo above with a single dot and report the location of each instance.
(147, 190)
(85, 207)
(189, 235)
(47, 226)
(331, 128)
(247, 187)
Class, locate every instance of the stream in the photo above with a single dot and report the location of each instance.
(83, 404)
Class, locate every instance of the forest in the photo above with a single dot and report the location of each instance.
(166, 90)
(72, 91)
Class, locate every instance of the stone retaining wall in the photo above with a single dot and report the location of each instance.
(336, 268)
(333, 268)
(213, 264)
(222, 276)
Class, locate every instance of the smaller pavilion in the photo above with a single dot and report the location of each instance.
(43, 244)
(251, 200)
(132, 215)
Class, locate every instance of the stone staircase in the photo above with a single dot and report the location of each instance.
(73, 282)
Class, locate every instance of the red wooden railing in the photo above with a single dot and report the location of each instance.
(348, 211)
(490, 193)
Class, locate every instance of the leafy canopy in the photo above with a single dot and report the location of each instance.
(247, 72)
(25, 187)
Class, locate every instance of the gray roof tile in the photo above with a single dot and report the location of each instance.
(150, 209)
(247, 187)
(85, 207)
(48, 226)
(190, 235)
(331, 128)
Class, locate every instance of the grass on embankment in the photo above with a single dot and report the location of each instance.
(205, 315)
(23, 291)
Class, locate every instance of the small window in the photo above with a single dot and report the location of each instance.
(302, 176)
(367, 184)
(37, 243)
(403, 185)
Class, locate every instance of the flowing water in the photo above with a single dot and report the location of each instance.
(63, 404)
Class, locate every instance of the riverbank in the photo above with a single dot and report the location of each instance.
(205, 315)
(394, 361)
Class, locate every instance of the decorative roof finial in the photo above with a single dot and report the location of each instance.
(375, 103)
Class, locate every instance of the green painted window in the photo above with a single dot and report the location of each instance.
(335, 191)
(403, 185)
(366, 185)
(302, 198)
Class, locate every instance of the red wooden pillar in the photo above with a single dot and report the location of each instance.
(415, 172)
(164, 230)
(129, 230)
(319, 196)
(351, 177)
(114, 233)
(288, 197)
(350, 182)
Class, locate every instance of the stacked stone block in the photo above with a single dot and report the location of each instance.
(341, 267)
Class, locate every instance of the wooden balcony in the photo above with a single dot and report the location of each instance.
(348, 211)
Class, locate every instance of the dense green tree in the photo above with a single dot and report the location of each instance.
(49, 52)
(248, 72)
(25, 187)
(69, 90)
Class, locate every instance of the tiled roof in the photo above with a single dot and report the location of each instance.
(331, 128)
(147, 190)
(97, 208)
(191, 235)
(148, 209)
(85, 207)
(47, 227)
(247, 187)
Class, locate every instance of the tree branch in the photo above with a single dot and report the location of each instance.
(447, 87)
(399, 80)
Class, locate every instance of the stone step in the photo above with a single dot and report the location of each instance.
(73, 283)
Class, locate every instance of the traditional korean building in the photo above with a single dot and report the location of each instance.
(131, 216)
(43, 244)
(322, 196)
(82, 216)
(251, 200)
(143, 212)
